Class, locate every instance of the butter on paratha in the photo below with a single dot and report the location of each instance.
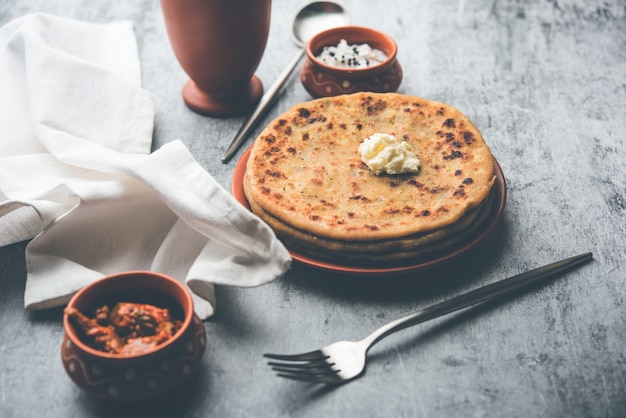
(305, 174)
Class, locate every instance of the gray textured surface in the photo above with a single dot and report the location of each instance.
(545, 81)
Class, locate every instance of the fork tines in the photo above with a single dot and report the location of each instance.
(308, 367)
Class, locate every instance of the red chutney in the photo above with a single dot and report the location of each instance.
(127, 329)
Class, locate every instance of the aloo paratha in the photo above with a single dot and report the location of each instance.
(389, 250)
(305, 174)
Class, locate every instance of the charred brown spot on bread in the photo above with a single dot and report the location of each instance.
(317, 119)
(270, 151)
(457, 144)
(468, 137)
(303, 112)
(425, 212)
(372, 106)
(305, 136)
(291, 150)
(449, 136)
(460, 192)
(266, 190)
(343, 126)
(415, 183)
(454, 154)
(449, 123)
(390, 211)
(288, 130)
(468, 181)
(458, 172)
(270, 139)
(280, 123)
(314, 217)
(275, 174)
(371, 227)
(376, 108)
(441, 111)
(359, 197)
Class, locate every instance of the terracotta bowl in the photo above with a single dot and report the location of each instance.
(134, 377)
(322, 80)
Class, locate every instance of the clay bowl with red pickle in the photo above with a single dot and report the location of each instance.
(326, 78)
(157, 343)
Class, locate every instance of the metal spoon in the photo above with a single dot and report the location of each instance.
(312, 19)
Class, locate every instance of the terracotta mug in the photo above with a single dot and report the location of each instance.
(219, 44)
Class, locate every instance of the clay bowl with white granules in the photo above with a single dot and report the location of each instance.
(350, 59)
(131, 336)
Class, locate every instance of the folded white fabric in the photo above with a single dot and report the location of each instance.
(77, 175)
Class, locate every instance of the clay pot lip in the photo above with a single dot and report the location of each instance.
(115, 284)
(352, 34)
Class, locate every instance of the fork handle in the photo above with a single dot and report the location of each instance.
(476, 296)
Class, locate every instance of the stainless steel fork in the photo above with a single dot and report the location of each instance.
(345, 360)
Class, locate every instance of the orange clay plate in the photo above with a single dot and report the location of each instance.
(391, 268)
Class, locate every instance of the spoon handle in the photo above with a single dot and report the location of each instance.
(264, 104)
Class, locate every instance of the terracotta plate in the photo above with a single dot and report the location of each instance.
(391, 268)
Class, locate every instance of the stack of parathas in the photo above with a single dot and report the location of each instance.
(305, 178)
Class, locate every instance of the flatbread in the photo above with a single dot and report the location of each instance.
(367, 252)
(305, 175)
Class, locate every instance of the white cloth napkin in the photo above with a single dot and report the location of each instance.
(77, 175)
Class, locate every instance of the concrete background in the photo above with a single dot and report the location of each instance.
(545, 82)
